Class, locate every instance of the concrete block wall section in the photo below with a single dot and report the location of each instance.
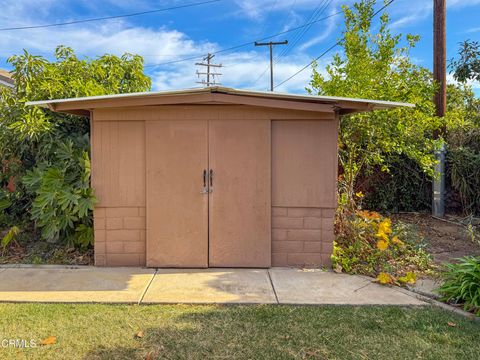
(302, 236)
(119, 236)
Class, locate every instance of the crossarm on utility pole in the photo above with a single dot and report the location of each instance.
(270, 45)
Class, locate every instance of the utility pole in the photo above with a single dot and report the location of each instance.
(270, 45)
(209, 74)
(440, 77)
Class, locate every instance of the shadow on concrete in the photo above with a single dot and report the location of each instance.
(82, 279)
(212, 285)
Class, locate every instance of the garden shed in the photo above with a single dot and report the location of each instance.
(214, 177)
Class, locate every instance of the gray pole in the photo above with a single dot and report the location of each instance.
(270, 45)
(271, 68)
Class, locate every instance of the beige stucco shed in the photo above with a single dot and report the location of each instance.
(214, 177)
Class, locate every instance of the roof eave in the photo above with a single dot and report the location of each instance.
(217, 94)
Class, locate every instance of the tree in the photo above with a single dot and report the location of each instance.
(373, 65)
(45, 155)
(467, 67)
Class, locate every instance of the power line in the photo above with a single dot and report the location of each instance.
(329, 49)
(319, 10)
(195, 57)
(110, 17)
(315, 15)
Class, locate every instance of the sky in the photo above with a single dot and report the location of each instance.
(166, 38)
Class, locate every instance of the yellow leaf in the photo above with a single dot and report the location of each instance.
(384, 278)
(397, 241)
(359, 194)
(382, 235)
(338, 269)
(382, 245)
(409, 278)
(385, 226)
(49, 340)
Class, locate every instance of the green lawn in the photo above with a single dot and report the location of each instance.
(238, 332)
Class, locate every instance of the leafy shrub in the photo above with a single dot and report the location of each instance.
(405, 187)
(64, 200)
(464, 170)
(368, 244)
(9, 237)
(44, 161)
(462, 283)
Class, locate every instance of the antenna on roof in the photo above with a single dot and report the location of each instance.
(211, 78)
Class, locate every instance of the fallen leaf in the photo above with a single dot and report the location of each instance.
(409, 278)
(382, 245)
(139, 334)
(338, 269)
(451, 324)
(384, 278)
(49, 340)
(152, 354)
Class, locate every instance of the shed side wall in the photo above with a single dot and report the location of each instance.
(304, 173)
(118, 179)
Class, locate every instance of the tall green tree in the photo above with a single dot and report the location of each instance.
(467, 66)
(373, 64)
(45, 169)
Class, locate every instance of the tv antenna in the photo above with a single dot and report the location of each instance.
(209, 77)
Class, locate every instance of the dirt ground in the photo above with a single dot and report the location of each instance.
(447, 239)
(28, 248)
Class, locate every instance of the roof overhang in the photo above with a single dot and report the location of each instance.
(218, 95)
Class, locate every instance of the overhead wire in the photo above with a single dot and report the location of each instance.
(329, 49)
(319, 10)
(198, 56)
(110, 17)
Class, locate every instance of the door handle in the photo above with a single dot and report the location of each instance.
(211, 178)
(205, 188)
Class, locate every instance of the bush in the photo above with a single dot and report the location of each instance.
(44, 159)
(463, 167)
(462, 283)
(368, 244)
(405, 187)
(64, 200)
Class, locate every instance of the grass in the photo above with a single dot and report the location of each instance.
(237, 332)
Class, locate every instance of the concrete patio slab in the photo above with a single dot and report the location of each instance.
(427, 287)
(83, 284)
(297, 286)
(244, 286)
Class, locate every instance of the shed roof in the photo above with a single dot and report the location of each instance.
(6, 78)
(218, 95)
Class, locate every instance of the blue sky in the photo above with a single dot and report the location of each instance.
(188, 32)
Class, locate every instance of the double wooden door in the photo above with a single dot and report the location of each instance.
(208, 193)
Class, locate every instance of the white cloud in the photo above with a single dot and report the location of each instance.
(473, 30)
(114, 37)
(408, 12)
(241, 70)
(474, 84)
(327, 31)
(156, 45)
(462, 3)
(259, 9)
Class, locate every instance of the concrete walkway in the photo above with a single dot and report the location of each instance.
(205, 286)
